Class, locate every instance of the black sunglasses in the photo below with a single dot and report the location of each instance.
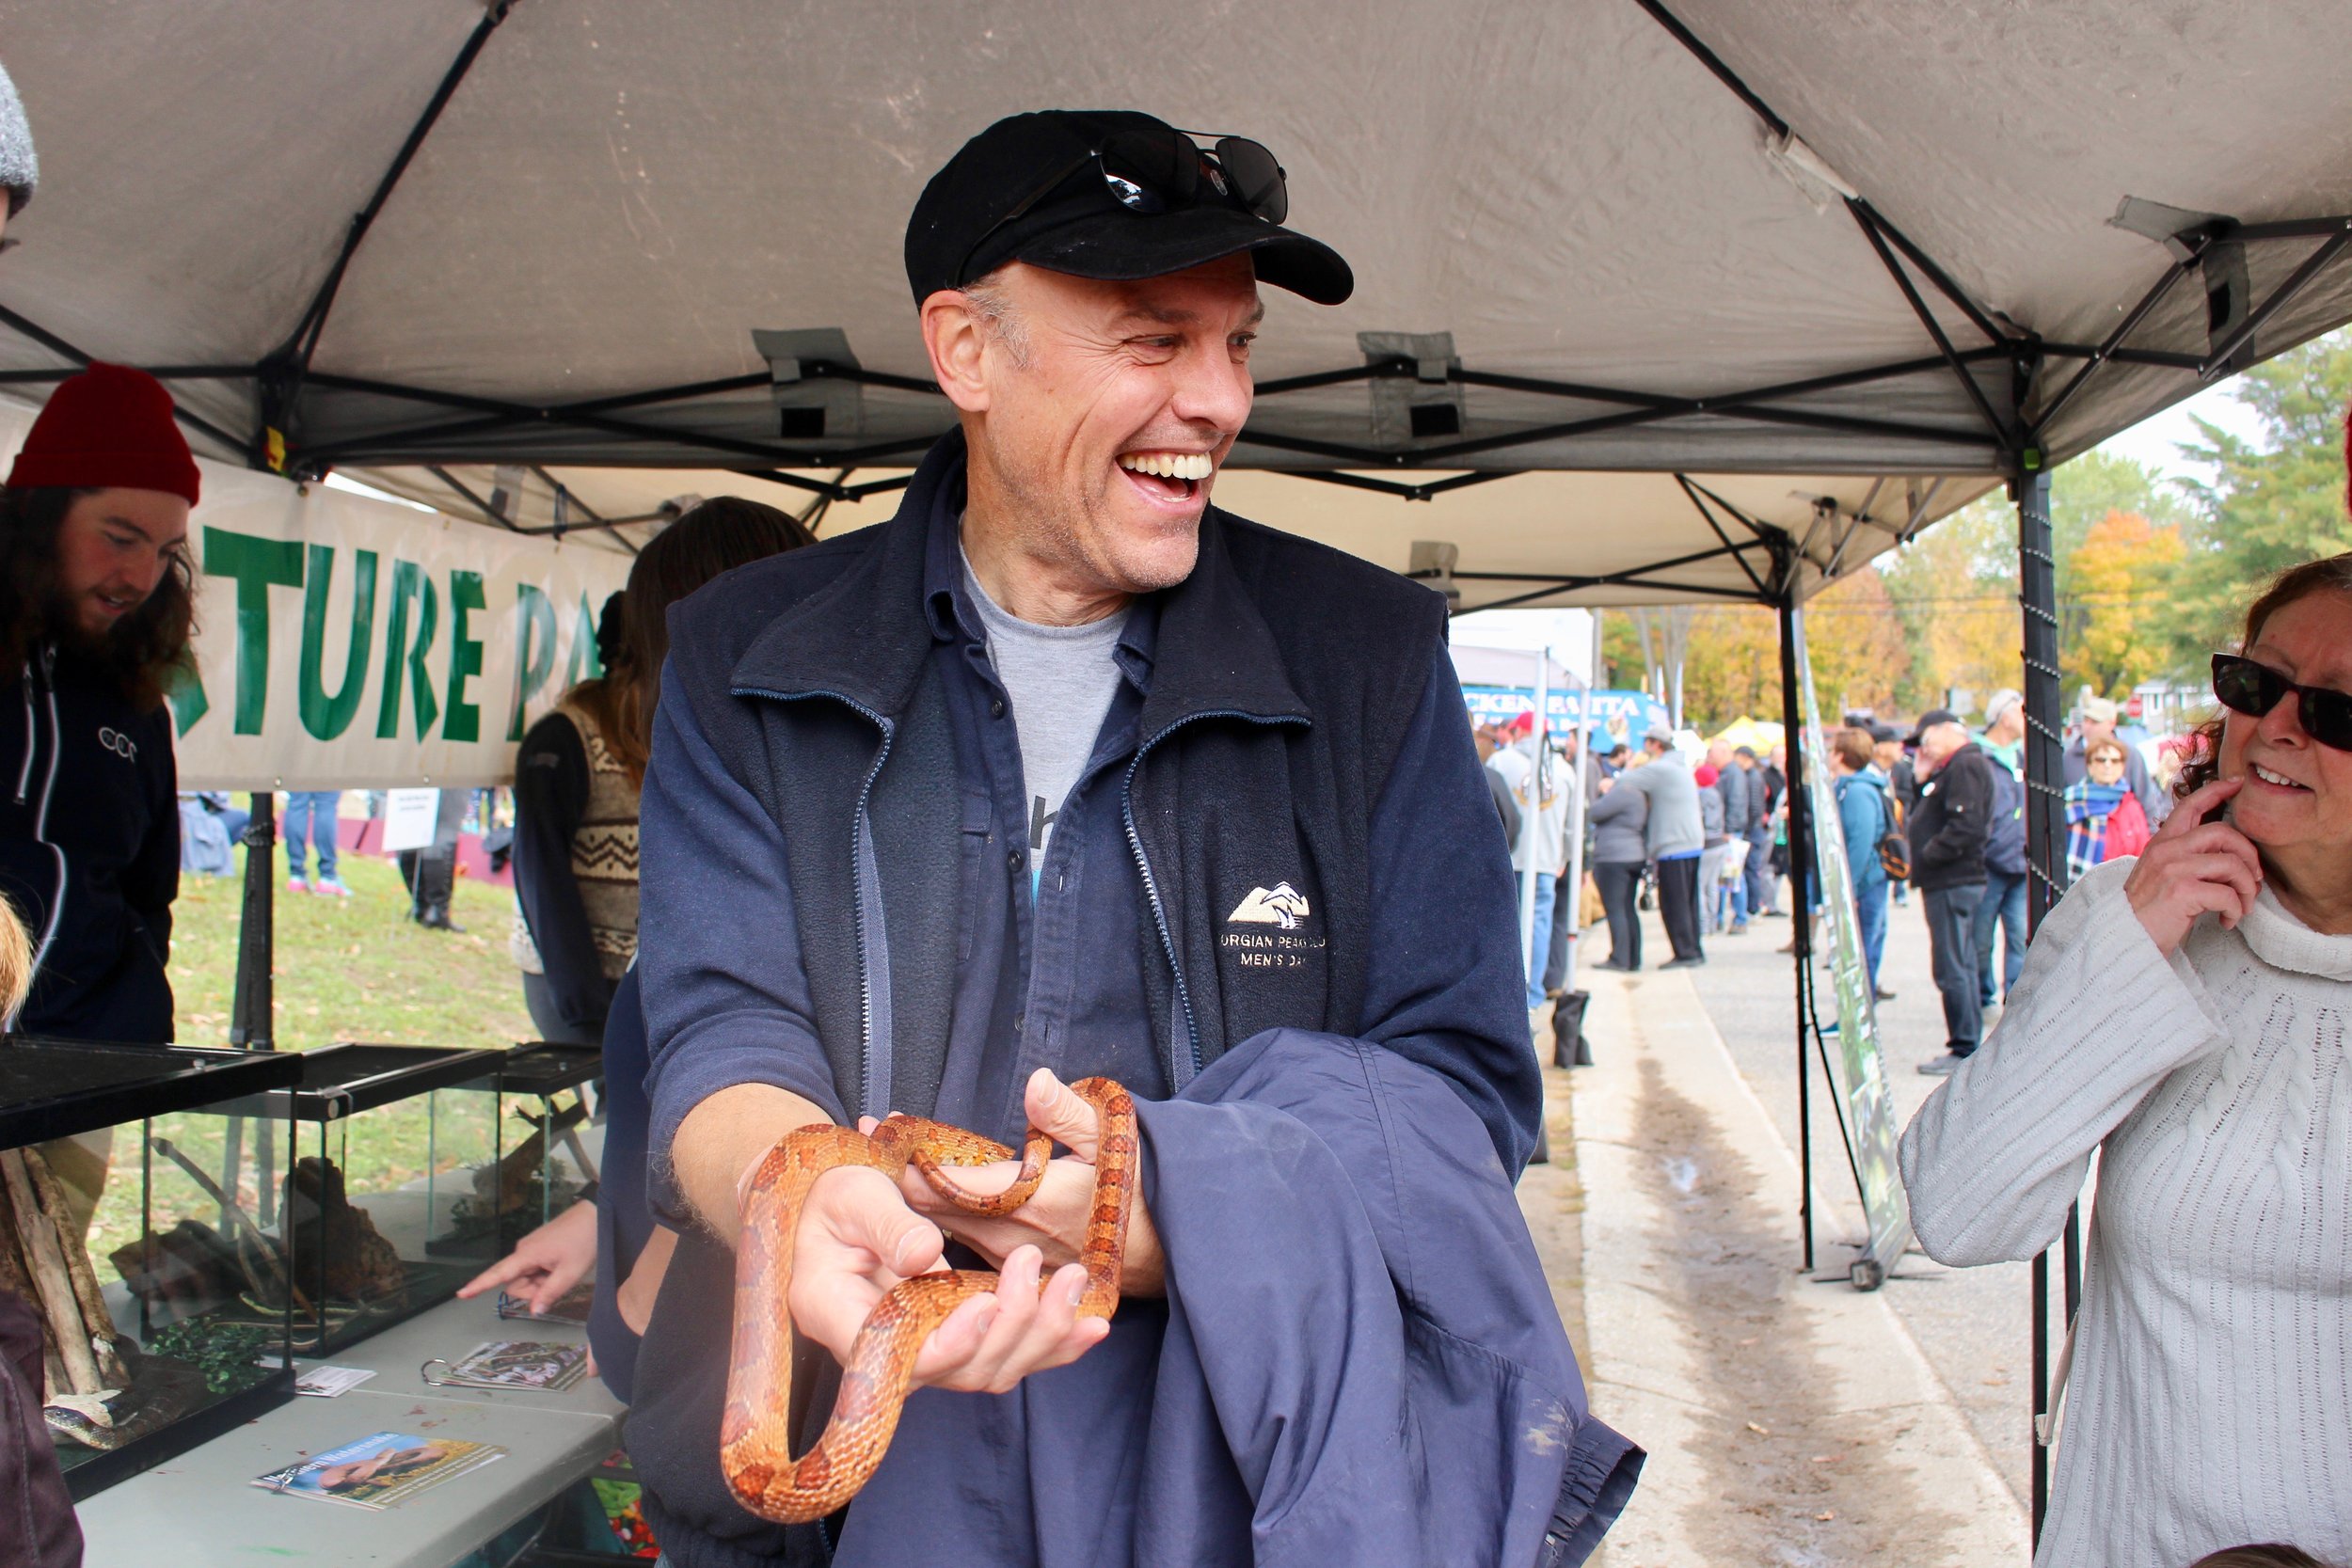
(1150, 172)
(2253, 689)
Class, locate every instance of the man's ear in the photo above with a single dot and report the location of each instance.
(956, 338)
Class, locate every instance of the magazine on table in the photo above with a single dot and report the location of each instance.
(380, 1470)
(511, 1363)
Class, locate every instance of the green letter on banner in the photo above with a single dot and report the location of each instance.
(256, 563)
(186, 695)
(534, 655)
(409, 582)
(586, 662)
(464, 656)
(327, 717)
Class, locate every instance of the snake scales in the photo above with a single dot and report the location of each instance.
(754, 1441)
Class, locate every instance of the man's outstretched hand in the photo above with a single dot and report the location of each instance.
(858, 1239)
(1054, 1220)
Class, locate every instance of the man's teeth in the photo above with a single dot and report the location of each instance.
(2267, 776)
(1168, 465)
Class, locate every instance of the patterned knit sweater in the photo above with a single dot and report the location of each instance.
(2211, 1399)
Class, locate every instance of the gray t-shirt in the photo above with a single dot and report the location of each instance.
(1060, 680)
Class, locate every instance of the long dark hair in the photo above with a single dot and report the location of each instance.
(144, 653)
(2329, 575)
(721, 534)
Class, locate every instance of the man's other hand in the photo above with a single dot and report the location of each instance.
(858, 1238)
(1054, 1220)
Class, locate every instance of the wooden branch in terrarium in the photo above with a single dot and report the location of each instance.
(48, 1250)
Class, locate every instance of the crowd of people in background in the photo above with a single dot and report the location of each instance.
(1939, 809)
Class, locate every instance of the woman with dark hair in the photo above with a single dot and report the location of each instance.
(96, 609)
(576, 784)
(2210, 1397)
(580, 768)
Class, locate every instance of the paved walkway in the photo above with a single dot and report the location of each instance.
(1788, 1420)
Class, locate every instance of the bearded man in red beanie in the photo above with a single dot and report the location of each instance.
(96, 606)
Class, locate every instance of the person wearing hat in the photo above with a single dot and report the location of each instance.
(2099, 716)
(1065, 771)
(96, 606)
(1947, 833)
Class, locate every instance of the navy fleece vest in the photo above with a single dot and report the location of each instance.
(1285, 676)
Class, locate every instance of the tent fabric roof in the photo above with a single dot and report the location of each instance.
(1570, 230)
(1508, 533)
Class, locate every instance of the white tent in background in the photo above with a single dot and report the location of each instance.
(1837, 269)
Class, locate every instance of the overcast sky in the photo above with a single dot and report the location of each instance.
(2156, 440)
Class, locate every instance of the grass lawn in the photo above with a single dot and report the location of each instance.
(355, 967)
(346, 969)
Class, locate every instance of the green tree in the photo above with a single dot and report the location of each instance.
(2274, 501)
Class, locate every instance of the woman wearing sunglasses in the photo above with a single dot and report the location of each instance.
(2104, 821)
(2210, 1398)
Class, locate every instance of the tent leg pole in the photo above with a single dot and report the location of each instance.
(2037, 573)
(252, 1011)
(1799, 916)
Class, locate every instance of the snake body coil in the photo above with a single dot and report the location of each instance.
(755, 1439)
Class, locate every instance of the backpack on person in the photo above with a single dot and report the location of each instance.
(1894, 843)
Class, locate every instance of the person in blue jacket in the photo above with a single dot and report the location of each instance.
(1064, 771)
(1864, 818)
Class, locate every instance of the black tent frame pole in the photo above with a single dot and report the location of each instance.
(1800, 860)
(2045, 764)
(251, 1015)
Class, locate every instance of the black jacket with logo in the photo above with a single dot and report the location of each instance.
(89, 850)
(1953, 821)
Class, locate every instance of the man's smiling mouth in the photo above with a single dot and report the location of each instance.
(1169, 475)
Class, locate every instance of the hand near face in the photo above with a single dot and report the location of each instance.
(2193, 867)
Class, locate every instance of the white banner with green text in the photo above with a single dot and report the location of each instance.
(347, 643)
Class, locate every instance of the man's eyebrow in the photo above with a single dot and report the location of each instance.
(1163, 315)
(116, 520)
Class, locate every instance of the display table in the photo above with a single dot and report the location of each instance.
(198, 1510)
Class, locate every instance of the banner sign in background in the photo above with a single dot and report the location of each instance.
(1860, 1067)
(347, 643)
(1625, 715)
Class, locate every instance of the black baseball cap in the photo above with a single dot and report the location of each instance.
(991, 203)
(1928, 719)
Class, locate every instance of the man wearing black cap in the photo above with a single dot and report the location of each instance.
(1064, 772)
(1948, 832)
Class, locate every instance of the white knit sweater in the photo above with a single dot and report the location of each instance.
(2211, 1399)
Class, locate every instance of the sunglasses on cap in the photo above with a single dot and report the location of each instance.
(2253, 689)
(1150, 172)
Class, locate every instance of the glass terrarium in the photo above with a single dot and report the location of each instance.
(550, 1163)
(136, 1220)
(389, 1195)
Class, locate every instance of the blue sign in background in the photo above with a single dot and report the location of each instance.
(1626, 714)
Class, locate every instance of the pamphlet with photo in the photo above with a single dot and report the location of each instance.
(379, 1470)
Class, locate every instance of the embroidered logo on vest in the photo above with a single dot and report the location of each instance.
(1280, 905)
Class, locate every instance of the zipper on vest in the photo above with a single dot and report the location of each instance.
(857, 899)
(40, 816)
(1152, 886)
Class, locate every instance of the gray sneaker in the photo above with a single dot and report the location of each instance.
(1941, 1067)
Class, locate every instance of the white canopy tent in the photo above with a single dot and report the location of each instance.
(1868, 254)
(1651, 306)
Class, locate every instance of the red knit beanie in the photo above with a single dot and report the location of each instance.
(109, 427)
